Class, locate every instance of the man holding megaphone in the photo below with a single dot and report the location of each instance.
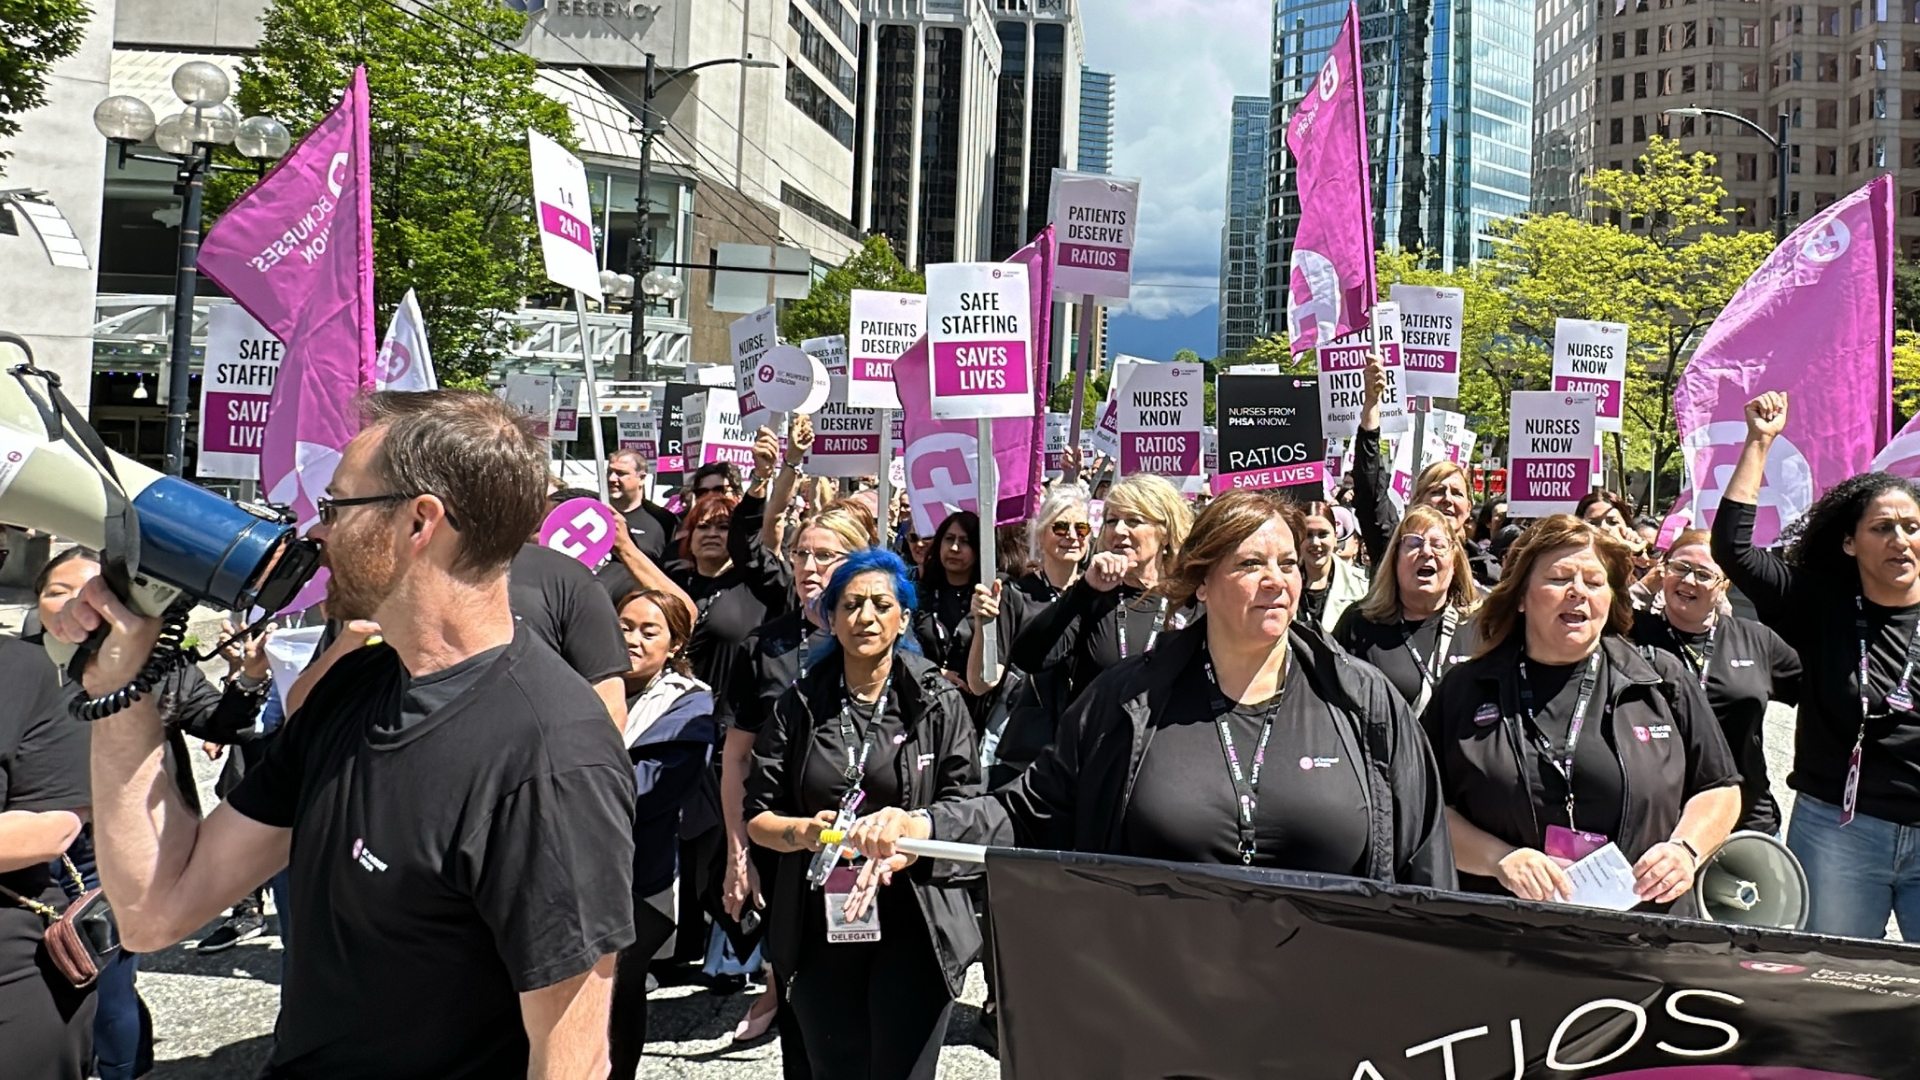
(447, 800)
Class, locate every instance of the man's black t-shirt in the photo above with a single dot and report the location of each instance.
(562, 603)
(443, 867)
(652, 528)
(1311, 811)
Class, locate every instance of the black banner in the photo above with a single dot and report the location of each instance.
(1113, 968)
(1269, 434)
(670, 468)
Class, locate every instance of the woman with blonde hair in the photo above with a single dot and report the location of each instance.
(1113, 612)
(1413, 622)
(1527, 794)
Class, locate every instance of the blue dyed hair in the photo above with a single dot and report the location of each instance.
(871, 560)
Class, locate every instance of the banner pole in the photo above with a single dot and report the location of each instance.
(593, 396)
(988, 474)
(1419, 405)
(1082, 360)
(884, 478)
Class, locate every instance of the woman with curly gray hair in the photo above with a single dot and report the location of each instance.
(1846, 595)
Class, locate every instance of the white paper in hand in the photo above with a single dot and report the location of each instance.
(1603, 880)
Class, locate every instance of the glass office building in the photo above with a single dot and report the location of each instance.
(1096, 122)
(1243, 239)
(1449, 100)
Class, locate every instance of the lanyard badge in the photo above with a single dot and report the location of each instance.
(1159, 620)
(1246, 784)
(1899, 698)
(1562, 761)
(829, 855)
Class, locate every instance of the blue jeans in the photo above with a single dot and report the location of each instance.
(1857, 874)
(122, 1028)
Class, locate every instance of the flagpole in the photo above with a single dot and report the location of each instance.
(883, 481)
(988, 474)
(593, 396)
(1082, 360)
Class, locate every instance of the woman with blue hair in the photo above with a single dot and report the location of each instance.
(871, 970)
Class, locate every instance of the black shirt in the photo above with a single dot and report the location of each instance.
(1311, 811)
(779, 654)
(1598, 784)
(1313, 603)
(559, 600)
(652, 528)
(944, 624)
(1408, 653)
(43, 766)
(727, 610)
(1747, 665)
(429, 694)
(1818, 621)
(470, 857)
(1096, 630)
(825, 781)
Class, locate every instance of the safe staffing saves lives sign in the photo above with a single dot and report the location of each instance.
(242, 361)
(977, 329)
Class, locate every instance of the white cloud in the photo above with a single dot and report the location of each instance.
(1177, 66)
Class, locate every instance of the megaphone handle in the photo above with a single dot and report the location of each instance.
(168, 654)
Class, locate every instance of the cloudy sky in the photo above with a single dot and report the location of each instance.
(1177, 66)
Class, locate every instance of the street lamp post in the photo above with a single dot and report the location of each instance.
(189, 136)
(650, 283)
(1782, 156)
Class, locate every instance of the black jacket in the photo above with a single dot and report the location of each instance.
(1074, 796)
(1377, 516)
(937, 720)
(1750, 665)
(1476, 729)
(669, 761)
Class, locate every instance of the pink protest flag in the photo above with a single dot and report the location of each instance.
(1901, 457)
(941, 455)
(297, 252)
(1331, 286)
(1815, 321)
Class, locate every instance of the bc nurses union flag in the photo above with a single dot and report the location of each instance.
(1331, 285)
(1815, 321)
(297, 252)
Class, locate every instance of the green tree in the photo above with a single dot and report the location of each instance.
(34, 35)
(451, 184)
(826, 308)
(1274, 349)
(1906, 376)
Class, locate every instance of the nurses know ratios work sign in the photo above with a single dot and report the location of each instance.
(1591, 358)
(1162, 409)
(977, 328)
(242, 360)
(882, 326)
(1550, 441)
(1093, 223)
(562, 212)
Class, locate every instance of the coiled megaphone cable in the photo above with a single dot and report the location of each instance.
(170, 653)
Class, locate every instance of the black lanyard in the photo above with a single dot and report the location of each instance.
(1159, 620)
(1562, 761)
(1899, 697)
(1432, 667)
(1246, 784)
(857, 765)
(1700, 657)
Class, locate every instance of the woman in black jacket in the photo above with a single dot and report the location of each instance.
(1740, 664)
(869, 725)
(1141, 765)
(945, 588)
(669, 735)
(1526, 794)
(1414, 623)
(1846, 595)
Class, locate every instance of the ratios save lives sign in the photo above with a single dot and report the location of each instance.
(1550, 441)
(1269, 431)
(1162, 409)
(242, 360)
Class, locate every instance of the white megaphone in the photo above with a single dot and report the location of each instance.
(178, 541)
(1752, 880)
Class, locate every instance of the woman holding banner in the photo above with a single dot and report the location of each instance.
(1413, 624)
(1846, 594)
(1113, 611)
(1443, 485)
(1526, 794)
(1739, 663)
(1163, 756)
(1332, 584)
(871, 724)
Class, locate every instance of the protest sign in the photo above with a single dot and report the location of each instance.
(566, 408)
(242, 361)
(1093, 216)
(1269, 431)
(790, 380)
(883, 325)
(748, 338)
(1343, 375)
(533, 395)
(1161, 412)
(979, 335)
(582, 529)
(671, 467)
(562, 210)
(1551, 441)
(713, 426)
(1591, 358)
(1056, 447)
(1430, 332)
(639, 430)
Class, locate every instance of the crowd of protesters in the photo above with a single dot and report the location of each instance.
(477, 874)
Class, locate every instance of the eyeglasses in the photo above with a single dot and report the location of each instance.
(329, 509)
(1078, 528)
(1415, 544)
(1687, 571)
(821, 559)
